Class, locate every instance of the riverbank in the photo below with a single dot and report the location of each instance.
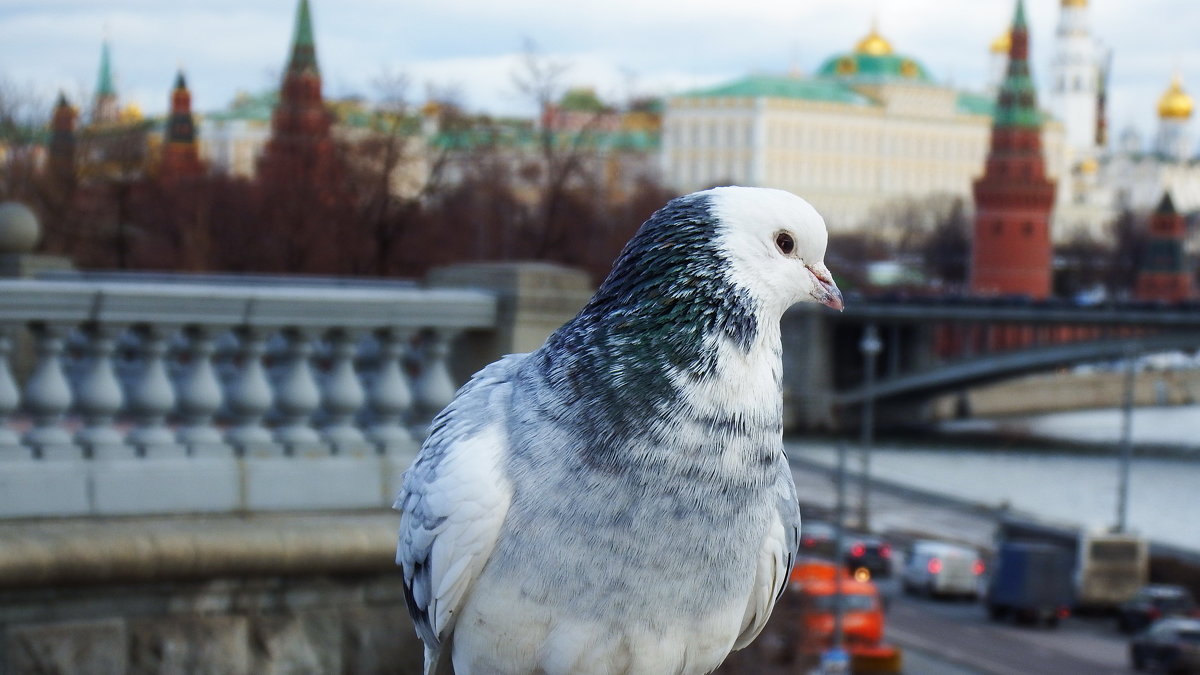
(1070, 391)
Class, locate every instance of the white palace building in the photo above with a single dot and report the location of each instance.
(871, 127)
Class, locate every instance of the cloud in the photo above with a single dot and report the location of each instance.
(619, 47)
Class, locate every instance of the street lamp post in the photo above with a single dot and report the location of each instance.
(1126, 441)
(870, 346)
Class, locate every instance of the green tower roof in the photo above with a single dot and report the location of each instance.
(1017, 102)
(104, 83)
(304, 48)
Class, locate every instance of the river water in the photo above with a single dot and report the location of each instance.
(1069, 486)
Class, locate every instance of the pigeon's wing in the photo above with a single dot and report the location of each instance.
(775, 559)
(454, 501)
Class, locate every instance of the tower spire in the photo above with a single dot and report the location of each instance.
(1013, 200)
(104, 106)
(304, 47)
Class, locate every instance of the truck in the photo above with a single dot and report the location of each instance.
(1029, 582)
(1109, 567)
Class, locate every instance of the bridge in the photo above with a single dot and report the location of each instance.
(931, 347)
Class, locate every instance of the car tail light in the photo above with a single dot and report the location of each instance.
(857, 550)
(934, 566)
(1153, 613)
(809, 541)
(885, 551)
(1064, 612)
(978, 567)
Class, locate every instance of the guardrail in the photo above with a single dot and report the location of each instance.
(175, 397)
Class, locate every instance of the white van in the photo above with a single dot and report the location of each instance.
(942, 569)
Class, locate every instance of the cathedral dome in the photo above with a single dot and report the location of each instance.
(873, 44)
(1002, 44)
(874, 60)
(1175, 103)
(1074, 3)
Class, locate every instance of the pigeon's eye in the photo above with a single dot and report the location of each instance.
(785, 243)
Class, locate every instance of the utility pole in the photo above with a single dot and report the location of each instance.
(870, 346)
(1126, 454)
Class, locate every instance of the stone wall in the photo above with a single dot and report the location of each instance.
(308, 624)
(270, 593)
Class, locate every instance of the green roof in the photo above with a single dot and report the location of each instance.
(304, 48)
(250, 107)
(1016, 105)
(859, 67)
(104, 83)
(521, 135)
(970, 103)
(775, 86)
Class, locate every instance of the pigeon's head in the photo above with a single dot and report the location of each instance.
(775, 244)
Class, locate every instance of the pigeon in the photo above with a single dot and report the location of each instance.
(618, 500)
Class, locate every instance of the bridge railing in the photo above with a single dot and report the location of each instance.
(139, 397)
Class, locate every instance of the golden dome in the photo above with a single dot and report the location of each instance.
(1175, 103)
(1002, 44)
(1089, 166)
(873, 44)
(1074, 3)
(130, 113)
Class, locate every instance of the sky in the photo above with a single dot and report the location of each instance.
(622, 48)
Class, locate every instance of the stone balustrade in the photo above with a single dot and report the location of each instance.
(123, 397)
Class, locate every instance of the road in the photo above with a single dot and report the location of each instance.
(957, 632)
(956, 638)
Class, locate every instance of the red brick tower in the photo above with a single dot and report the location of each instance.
(300, 142)
(181, 156)
(1011, 252)
(62, 142)
(1164, 274)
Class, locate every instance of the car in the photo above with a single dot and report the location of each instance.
(867, 557)
(1153, 602)
(942, 569)
(815, 585)
(1171, 644)
(817, 538)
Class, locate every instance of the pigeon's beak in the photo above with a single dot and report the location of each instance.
(826, 292)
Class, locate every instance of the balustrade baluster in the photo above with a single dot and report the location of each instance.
(343, 396)
(48, 396)
(434, 388)
(298, 397)
(98, 396)
(10, 400)
(152, 398)
(391, 398)
(200, 397)
(251, 397)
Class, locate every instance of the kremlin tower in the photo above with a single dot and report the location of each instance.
(180, 155)
(301, 142)
(62, 142)
(104, 106)
(1011, 251)
(1164, 274)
